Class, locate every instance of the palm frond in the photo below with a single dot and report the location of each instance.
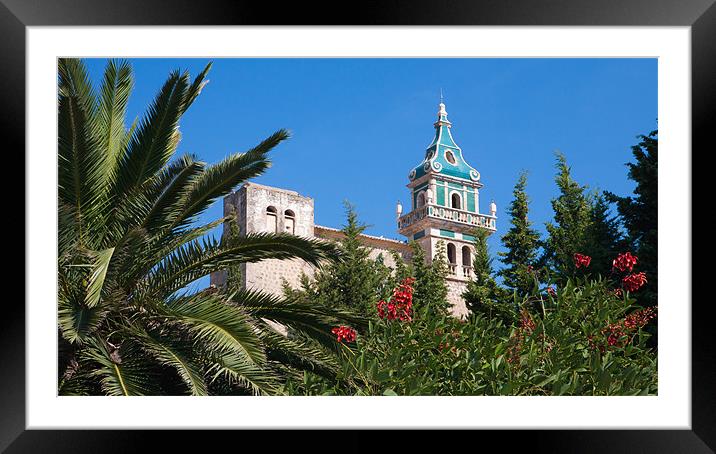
(67, 233)
(218, 327)
(163, 246)
(128, 255)
(76, 320)
(154, 141)
(202, 257)
(81, 161)
(299, 354)
(114, 94)
(75, 386)
(237, 370)
(311, 320)
(195, 88)
(100, 265)
(171, 187)
(175, 353)
(289, 311)
(121, 372)
(219, 179)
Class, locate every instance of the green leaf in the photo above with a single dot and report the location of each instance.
(101, 261)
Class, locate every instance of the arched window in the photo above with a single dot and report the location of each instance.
(290, 221)
(421, 200)
(451, 253)
(466, 259)
(271, 220)
(455, 201)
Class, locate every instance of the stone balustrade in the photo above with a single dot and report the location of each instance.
(449, 214)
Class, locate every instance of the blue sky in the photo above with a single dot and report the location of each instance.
(359, 125)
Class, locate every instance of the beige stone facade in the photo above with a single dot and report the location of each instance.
(260, 208)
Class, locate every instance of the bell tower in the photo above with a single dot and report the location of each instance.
(445, 204)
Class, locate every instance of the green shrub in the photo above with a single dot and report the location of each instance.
(584, 341)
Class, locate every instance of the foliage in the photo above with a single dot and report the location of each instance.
(128, 248)
(640, 213)
(385, 281)
(605, 239)
(569, 231)
(584, 341)
(483, 295)
(232, 235)
(521, 243)
(430, 290)
(352, 282)
(584, 336)
(402, 269)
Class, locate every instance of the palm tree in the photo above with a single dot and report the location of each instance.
(128, 247)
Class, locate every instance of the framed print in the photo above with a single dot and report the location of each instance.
(175, 283)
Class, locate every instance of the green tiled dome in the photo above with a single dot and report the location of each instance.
(443, 155)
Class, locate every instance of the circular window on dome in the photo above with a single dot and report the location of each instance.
(450, 157)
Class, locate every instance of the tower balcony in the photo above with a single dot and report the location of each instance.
(413, 221)
(466, 271)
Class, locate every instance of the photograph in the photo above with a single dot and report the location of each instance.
(470, 219)
(432, 226)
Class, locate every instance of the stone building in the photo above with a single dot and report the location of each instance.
(444, 206)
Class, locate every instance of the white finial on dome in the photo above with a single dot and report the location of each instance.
(442, 104)
(493, 208)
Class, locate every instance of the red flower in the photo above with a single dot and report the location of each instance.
(638, 319)
(634, 282)
(624, 262)
(618, 292)
(581, 260)
(344, 332)
(400, 304)
(619, 334)
(526, 322)
(552, 292)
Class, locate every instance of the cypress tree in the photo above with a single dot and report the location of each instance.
(521, 242)
(430, 291)
(385, 280)
(483, 295)
(402, 269)
(351, 281)
(639, 213)
(605, 238)
(568, 234)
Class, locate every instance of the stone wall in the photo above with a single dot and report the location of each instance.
(269, 275)
(455, 291)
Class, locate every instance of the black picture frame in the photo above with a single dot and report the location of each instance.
(700, 15)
